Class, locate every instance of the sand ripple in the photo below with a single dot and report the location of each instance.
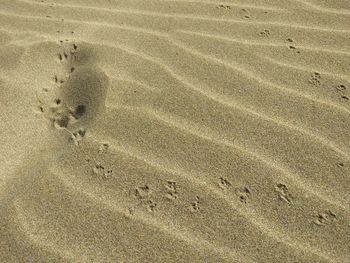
(175, 131)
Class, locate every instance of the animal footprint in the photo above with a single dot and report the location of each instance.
(315, 79)
(341, 88)
(265, 32)
(67, 53)
(195, 205)
(224, 183)
(64, 114)
(344, 98)
(343, 92)
(245, 13)
(61, 117)
(290, 42)
(291, 45)
(340, 164)
(66, 57)
(171, 190)
(108, 173)
(78, 135)
(151, 205)
(103, 148)
(131, 211)
(227, 7)
(244, 194)
(100, 170)
(325, 218)
(283, 193)
(142, 192)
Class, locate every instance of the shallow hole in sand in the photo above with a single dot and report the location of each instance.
(79, 111)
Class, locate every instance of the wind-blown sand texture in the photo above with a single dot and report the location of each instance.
(175, 131)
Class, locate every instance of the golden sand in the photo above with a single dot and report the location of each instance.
(175, 131)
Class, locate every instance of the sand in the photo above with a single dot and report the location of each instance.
(175, 131)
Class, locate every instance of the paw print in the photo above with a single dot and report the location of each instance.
(142, 192)
(224, 183)
(245, 13)
(342, 90)
(325, 218)
(103, 148)
(99, 169)
(195, 205)
(244, 194)
(283, 193)
(265, 33)
(226, 7)
(151, 205)
(171, 190)
(315, 79)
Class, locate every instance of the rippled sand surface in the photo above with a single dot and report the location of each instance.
(175, 131)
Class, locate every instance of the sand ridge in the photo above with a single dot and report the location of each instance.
(174, 131)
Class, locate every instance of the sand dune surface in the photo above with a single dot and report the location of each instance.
(175, 131)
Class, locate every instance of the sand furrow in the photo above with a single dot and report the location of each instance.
(267, 43)
(231, 4)
(323, 9)
(266, 83)
(289, 65)
(193, 17)
(236, 106)
(138, 25)
(21, 221)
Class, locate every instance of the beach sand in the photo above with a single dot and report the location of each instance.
(175, 131)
